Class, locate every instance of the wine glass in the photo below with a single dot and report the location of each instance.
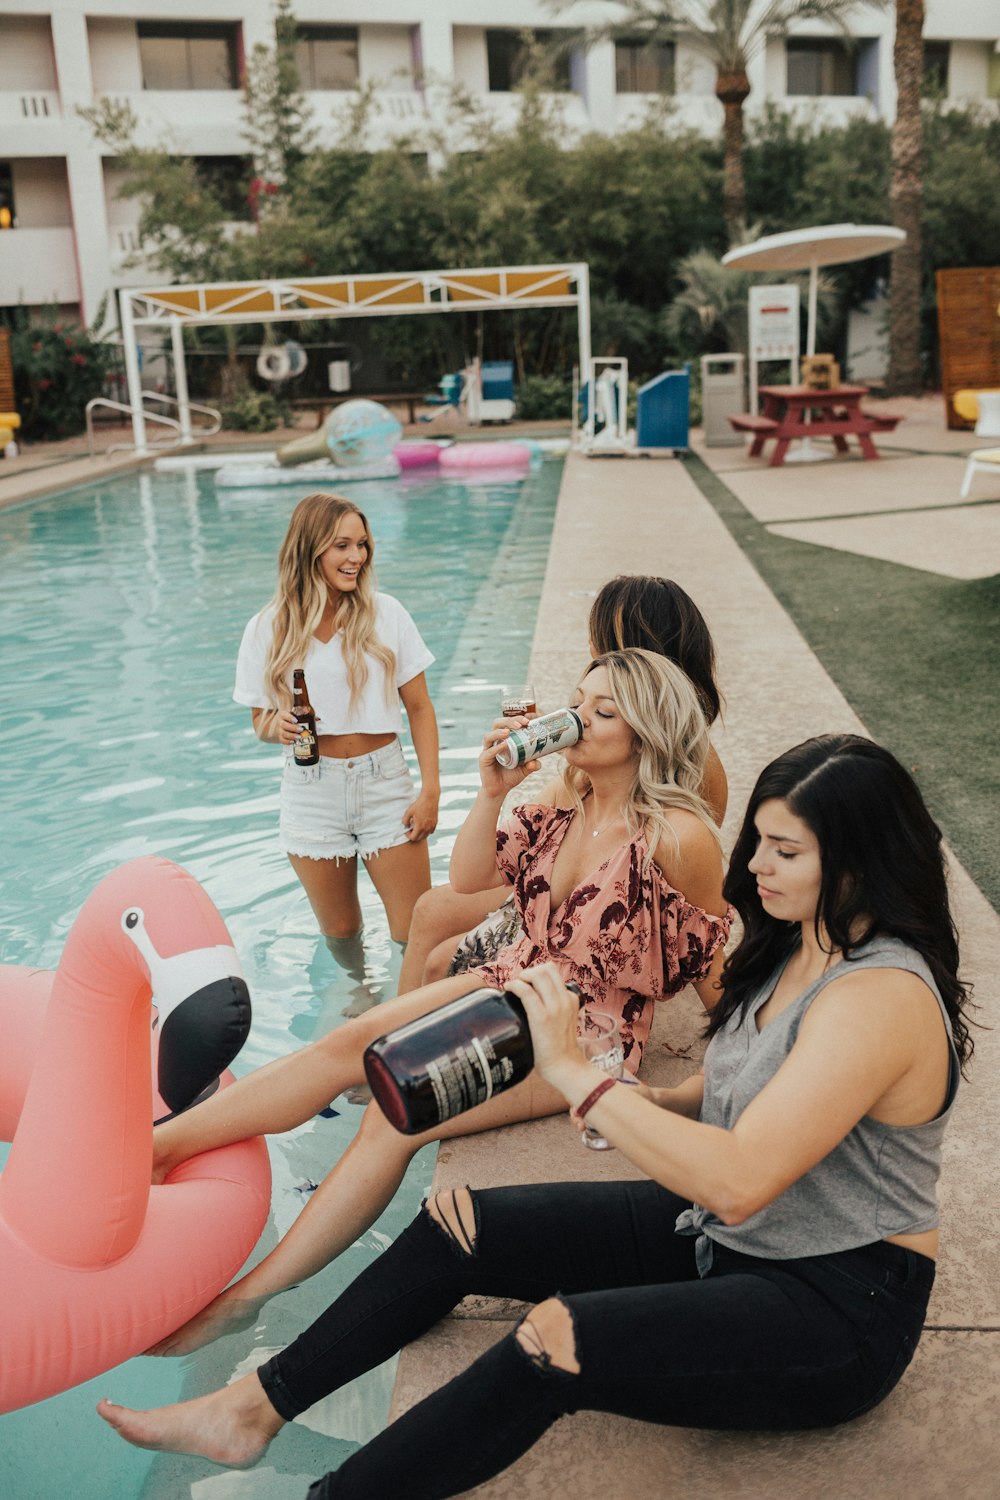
(601, 1044)
(518, 702)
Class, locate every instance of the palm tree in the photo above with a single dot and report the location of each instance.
(906, 198)
(731, 33)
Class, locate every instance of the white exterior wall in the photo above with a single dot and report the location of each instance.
(412, 51)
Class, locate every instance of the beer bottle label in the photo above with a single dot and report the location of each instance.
(305, 745)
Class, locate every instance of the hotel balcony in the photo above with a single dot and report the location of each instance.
(37, 266)
(31, 123)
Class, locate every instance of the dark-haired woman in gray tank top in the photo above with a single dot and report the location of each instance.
(773, 1272)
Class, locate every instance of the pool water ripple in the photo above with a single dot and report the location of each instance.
(121, 609)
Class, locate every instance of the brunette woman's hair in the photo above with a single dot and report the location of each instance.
(882, 871)
(303, 593)
(655, 614)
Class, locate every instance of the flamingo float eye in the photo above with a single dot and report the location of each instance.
(131, 919)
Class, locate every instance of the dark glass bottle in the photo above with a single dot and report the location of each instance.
(306, 748)
(450, 1060)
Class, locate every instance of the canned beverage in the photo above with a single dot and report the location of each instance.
(540, 737)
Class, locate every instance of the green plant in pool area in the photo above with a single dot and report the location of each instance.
(254, 411)
(58, 367)
(543, 398)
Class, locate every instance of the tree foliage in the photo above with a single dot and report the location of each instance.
(636, 206)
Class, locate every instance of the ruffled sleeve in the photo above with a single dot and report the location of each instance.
(517, 838)
(690, 937)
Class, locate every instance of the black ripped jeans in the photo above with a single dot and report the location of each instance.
(755, 1344)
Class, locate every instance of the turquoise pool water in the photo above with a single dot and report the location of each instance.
(121, 609)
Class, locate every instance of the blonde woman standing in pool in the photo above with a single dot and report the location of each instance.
(363, 657)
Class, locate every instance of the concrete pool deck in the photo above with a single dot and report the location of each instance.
(936, 1434)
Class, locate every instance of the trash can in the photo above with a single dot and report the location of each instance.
(663, 411)
(721, 397)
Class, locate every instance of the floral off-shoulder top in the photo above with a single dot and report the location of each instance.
(626, 938)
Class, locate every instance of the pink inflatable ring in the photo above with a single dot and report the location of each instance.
(417, 454)
(95, 1264)
(468, 456)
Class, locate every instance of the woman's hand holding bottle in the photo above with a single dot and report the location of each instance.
(553, 1019)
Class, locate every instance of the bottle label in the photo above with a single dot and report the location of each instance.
(468, 1076)
(304, 747)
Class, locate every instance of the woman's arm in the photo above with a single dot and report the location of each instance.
(715, 786)
(858, 1041)
(693, 866)
(420, 818)
(473, 864)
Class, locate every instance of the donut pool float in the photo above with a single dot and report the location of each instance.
(467, 457)
(95, 1264)
(417, 454)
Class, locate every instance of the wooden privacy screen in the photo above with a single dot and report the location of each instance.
(6, 373)
(969, 329)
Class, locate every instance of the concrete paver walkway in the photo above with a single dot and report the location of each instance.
(935, 1436)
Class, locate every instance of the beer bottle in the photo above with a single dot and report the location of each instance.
(450, 1060)
(305, 749)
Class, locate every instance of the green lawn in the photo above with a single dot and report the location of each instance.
(916, 655)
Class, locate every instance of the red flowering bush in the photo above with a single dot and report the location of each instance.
(58, 366)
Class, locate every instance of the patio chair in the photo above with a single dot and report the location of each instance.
(982, 461)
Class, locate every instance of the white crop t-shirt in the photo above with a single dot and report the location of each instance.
(326, 673)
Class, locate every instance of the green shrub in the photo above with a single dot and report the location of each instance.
(254, 411)
(58, 367)
(543, 398)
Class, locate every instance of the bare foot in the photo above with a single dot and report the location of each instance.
(232, 1426)
(222, 1316)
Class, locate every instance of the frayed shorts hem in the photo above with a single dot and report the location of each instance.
(315, 851)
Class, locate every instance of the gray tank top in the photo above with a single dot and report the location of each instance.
(879, 1181)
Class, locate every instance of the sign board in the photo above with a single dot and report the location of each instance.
(774, 330)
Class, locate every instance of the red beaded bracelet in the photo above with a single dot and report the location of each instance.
(582, 1110)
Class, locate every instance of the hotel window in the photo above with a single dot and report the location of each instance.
(644, 69)
(509, 55)
(327, 56)
(936, 69)
(821, 65)
(187, 56)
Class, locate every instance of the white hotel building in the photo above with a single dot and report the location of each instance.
(178, 64)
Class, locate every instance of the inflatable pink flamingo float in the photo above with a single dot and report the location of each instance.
(95, 1264)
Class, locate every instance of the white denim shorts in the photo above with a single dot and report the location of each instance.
(340, 808)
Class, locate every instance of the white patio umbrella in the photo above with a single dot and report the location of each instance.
(808, 249)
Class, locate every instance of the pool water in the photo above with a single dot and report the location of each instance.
(121, 610)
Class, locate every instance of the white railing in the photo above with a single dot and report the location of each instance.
(211, 412)
(106, 404)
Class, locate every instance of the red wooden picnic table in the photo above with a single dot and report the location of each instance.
(799, 411)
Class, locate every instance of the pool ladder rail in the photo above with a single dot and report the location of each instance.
(176, 439)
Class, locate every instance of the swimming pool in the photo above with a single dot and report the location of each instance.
(121, 608)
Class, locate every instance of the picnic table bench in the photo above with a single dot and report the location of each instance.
(799, 411)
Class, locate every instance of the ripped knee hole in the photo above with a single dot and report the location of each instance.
(454, 1213)
(547, 1337)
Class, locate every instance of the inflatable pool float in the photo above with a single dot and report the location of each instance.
(419, 453)
(464, 457)
(320, 475)
(96, 1265)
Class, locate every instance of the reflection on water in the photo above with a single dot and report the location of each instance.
(121, 609)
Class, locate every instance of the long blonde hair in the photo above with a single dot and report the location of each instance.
(302, 596)
(661, 706)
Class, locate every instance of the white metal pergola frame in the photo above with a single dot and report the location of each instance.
(303, 298)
